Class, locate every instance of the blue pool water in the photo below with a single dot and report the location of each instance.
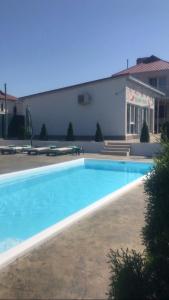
(35, 201)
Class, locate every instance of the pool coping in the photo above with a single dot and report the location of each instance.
(35, 241)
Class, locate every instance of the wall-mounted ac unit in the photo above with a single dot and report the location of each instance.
(84, 99)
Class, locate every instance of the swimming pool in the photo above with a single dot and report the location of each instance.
(33, 200)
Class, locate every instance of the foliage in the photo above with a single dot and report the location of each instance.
(21, 133)
(129, 276)
(70, 133)
(165, 132)
(98, 134)
(28, 124)
(156, 229)
(146, 277)
(27, 133)
(16, 127)
(43, 133)
(144, 137)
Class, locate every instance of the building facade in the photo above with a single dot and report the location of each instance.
(119, 104)
(155, 72)
(8, 107)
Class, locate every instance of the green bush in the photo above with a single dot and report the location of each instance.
(165, 132)
(156, 229)
(70, 133)
(43, 133)
(129, 276)
(16, 128)
(98, 134)
(144, 137)
(137, 276)
(21, 133)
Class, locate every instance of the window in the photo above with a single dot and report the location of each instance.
(128, 118)
(2, 107)
(162, 83)
(137, 119)
(145, 115)
(136, 116)
(151, 120)
(132, 117)
(159, 82)
(131, 126)
(153, 81)
(161, 111)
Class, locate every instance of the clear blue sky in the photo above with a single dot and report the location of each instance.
(46, 44)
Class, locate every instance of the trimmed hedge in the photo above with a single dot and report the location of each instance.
(98, 134)
(70, 133)
(144, 137)
(43, 133)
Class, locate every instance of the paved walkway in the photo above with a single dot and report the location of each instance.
(73, 265)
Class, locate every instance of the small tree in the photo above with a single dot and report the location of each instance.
(16, 128)
(21, 133)
(144, 137)
(70, 133)
(43, 133)
(165, 132)
(129, 276)
(98, 134)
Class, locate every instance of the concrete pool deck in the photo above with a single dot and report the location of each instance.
(73, 265)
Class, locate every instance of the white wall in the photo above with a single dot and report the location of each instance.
(145, 149)
(11, 104)
(56, 109)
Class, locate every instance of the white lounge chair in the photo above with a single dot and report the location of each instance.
(37, 150)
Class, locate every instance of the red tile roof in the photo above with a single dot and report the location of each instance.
(8, 97)
(145, 67)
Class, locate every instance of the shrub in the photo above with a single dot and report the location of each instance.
(21, 133)
(70, 133)
(16, 128)
(137, 276)
(144, 137)
(98, 134)
(165, 132)
(129, 276)
(156, 229)
(43, 133)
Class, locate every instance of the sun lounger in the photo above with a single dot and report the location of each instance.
(65, 150)
(77, 149)
(26, 148)
(59, 151)
(38, 150)
(8, 150)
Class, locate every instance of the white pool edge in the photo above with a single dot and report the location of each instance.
(24, 247)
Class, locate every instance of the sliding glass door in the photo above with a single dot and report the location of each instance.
(136, 116)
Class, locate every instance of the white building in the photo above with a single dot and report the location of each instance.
(155, 72)
(119, 104)
(8, 107)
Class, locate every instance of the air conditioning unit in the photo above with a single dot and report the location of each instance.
(84, 99)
